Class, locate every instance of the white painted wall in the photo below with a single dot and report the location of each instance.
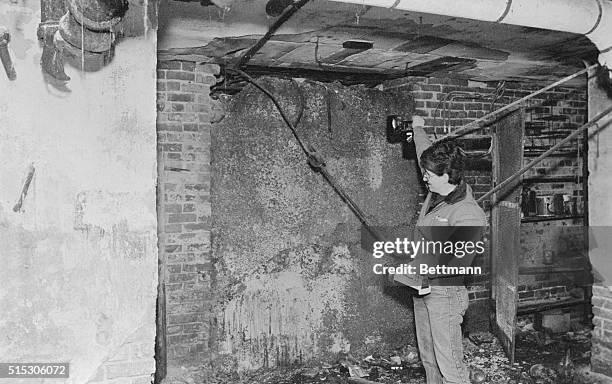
(79, 262)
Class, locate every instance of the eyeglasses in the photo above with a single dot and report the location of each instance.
(427, 175)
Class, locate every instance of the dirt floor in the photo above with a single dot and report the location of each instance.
(541, 358)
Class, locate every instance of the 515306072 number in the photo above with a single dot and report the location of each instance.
(34, 370)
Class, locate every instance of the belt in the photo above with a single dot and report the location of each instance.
(447, 280)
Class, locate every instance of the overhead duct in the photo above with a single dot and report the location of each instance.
(592, 18)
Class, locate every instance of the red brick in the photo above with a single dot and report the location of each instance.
(423, 95)
(601, 355)
(197, 227)
(174, 329)
(181, 218)
(602, 291)
(188, 66)
(205, 79)
(173, 228)
(190, 127)
(178, 107)
(168, 65)
(447, 81)
(182, 277)
(186, 236)
(198, 247)
(173, 208)
(208, 68)
(183, 97)
(169, 126)
(180, 75)
(173, 86)
(183, 339)
(195, 87)
(186, 318)
(431, 88)
(193, 327)
(605, 314)
(202, 108)
(181, 258)
(601, 302)
(171, 147)
(197, 267)
(173, 248)
(183, 117)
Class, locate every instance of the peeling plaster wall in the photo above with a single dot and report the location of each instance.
(79, 261)
(293, 283)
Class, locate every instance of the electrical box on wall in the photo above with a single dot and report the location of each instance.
(399, 128)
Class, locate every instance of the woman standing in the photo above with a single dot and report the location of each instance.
(439, 314)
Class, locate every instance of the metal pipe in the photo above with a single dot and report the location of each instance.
(5, 57)
(277, 24)
(593, 122)
(592, 18)
(480, 122)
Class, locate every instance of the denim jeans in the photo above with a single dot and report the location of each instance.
(438, 317)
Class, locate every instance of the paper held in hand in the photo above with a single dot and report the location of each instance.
(420, 283)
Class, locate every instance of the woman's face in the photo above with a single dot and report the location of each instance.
(435, 183)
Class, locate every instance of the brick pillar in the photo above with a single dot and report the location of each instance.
(601, 351)
(184, 124)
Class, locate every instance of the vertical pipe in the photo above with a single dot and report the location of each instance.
(161, 345)
(5, 56)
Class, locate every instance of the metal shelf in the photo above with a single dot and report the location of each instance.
(536, 219)
(525, 307)
(558, 154)
(578, 179)
(550, 269)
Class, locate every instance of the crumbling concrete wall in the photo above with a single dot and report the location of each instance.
(292, 282)
(79, 259)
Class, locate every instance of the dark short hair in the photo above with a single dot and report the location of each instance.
(445, 157)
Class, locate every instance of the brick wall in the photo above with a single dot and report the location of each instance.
(601, 354)
(185, 111)
(447, 103)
